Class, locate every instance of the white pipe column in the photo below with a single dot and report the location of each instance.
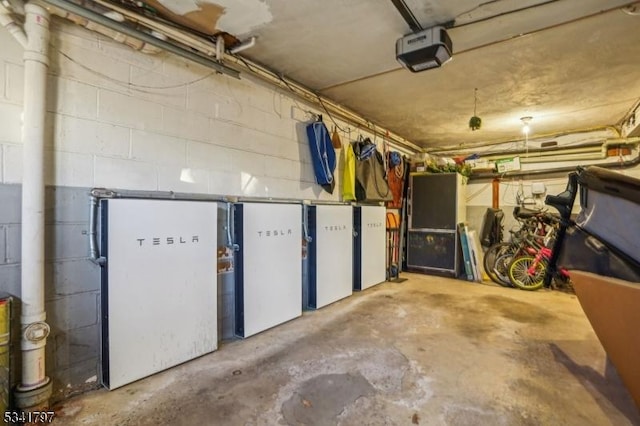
(35, 387)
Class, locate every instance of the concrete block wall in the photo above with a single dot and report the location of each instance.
(72, 283)
(120, 119)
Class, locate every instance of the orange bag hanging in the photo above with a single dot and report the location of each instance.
(395, 177)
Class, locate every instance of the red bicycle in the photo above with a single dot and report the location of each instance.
(527, 272)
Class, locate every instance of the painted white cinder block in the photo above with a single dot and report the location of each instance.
(1, 165)
(69, 169)
(11, 123)
(74, 134)
(253, 186)
(185, 124)
(159, 88)
(64, 34)
(281, 168)
(129, 111)
(265, 100)
(203, 100)
(176, 67)
(72, 98)
(292, 150)
(157, 148)
(230, 109)
(138, 120)
(11, 49)
(125, 174)
(78, 58)
(226, 134)
(112, 50)
(3, 82)
(253, 118)
(206, 156)
(279, 188)
(306, 173)
(225, 183)
(248, 163)
(12, 163)
(183, 179)
(278, 126)
(259, 142)
(14, 83)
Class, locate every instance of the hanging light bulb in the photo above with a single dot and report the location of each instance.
(525, 125)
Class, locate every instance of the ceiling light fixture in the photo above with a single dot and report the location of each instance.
(525, 125)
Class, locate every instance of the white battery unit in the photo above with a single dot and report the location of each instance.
(330, 254)
(268, 265)
(159, 286)
(369, 249)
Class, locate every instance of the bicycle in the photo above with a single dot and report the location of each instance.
(527, 272)
(534, 226)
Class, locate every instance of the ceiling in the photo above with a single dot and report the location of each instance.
(572, 65)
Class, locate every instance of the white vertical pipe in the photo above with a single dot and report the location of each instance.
(34, 329)
(7, 21)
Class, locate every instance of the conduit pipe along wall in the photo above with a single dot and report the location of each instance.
(133, 43)
(34, 389)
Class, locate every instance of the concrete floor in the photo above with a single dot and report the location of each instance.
(429, 351)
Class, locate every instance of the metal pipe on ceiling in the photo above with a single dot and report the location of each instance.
(116, 26)
(471, 147)
(549, 172)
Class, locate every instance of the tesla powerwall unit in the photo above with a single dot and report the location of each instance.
(268, 265)
(330, 254)
(369, 253)
(159, 286)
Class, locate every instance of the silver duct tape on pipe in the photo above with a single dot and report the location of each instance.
(124, 29)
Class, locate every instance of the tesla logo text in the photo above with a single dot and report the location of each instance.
(157, 241)
(274, 233)
(335, 227)
(374, 225)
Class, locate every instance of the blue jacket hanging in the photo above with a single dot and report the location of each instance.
(323, 155)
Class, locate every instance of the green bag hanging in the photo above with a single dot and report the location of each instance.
(349, 174)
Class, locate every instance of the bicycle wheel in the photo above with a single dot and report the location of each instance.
(501, 266)
(490, 260)
(520, 276)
